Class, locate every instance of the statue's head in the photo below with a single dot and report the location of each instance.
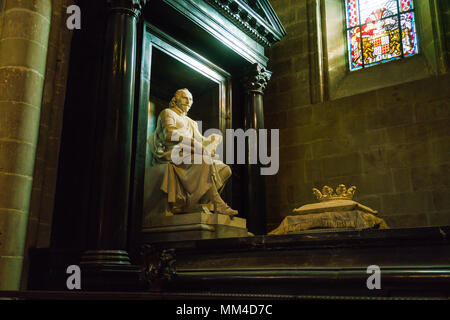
(182, 99)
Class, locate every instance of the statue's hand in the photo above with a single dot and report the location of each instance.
(214, 155)
(207, 153)
(216, 138)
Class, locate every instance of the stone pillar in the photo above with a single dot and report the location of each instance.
(255, 81)
(111, 182)
(54, 93)
(24, 33)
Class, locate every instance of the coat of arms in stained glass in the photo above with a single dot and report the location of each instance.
(379, 31)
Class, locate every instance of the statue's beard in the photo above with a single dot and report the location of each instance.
(184, 108)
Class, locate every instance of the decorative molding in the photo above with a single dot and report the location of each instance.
(214, 22)
(250, 21)
(184, 295)
(256, 79)
(98, 257)
(412, 260)
(133, 7)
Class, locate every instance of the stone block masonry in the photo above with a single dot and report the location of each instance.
(392, 143)
(24, 32)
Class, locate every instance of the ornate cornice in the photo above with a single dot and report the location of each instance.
(256, 79)
(249, 21)
(133, 7)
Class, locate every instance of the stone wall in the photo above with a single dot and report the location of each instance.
(34, 49)
(392, 143)
(445, 11)
(23, 50)
(44, 184)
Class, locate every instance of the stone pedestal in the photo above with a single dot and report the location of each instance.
(193, 226)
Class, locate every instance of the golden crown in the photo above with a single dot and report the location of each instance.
(342, 193)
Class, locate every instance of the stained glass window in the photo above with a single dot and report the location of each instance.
(379, 31)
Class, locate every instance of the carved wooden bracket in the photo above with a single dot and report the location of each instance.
(157, 265)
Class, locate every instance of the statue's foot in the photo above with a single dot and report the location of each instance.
(224, 209)
(174, 209)
(205, 208)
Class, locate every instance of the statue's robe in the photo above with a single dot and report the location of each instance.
(185, 184)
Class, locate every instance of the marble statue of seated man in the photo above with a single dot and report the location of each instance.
(189, 183)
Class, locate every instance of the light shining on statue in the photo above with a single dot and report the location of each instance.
(186, 182)
(195, 172)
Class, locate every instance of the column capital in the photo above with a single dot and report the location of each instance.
(256, 78)
(132, 7)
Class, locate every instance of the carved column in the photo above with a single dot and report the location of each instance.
(111, 182)
(255, 82)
